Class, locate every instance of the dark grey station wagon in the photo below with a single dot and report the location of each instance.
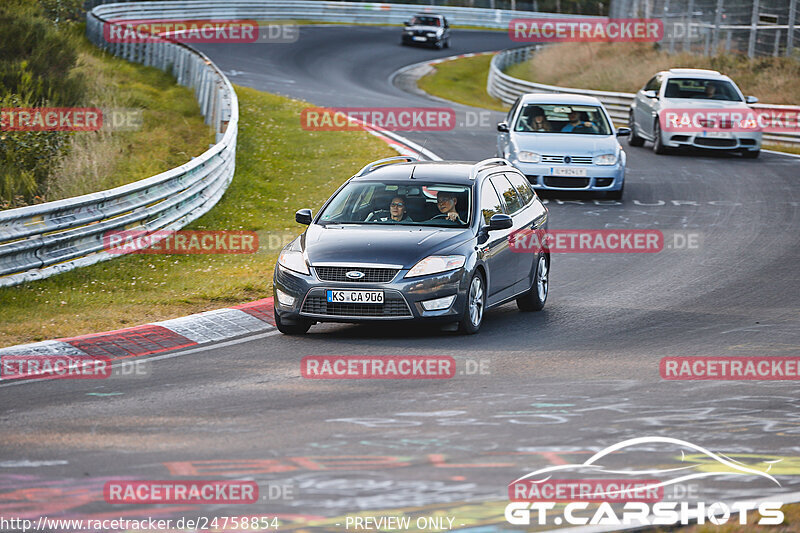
(410, 240)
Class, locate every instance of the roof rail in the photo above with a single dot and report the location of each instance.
(486, 163)
(383, 162)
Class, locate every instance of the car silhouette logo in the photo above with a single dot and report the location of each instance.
(567, 159)
(355, 274)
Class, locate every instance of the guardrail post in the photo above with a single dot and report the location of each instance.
(751, 44)
(790, 34)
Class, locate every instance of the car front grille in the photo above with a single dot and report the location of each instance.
(573, 159)
(393, 306)
(566, 183)
(371, 275)
(717, 143)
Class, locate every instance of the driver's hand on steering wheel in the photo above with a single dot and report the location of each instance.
(452, 216)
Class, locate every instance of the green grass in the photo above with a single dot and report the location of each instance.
(279, 168)
(172, 133)
(463, 81)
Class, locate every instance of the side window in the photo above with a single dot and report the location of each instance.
(506, 190)
(490, 202)
(522, 187)
(654, 84)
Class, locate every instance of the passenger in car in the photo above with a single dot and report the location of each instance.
(539, 121)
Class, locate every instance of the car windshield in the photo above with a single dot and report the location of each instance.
(426, 21)
(699, 89)
(385, 203)
(560, 118)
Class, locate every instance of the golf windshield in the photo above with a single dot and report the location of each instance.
(559, 118)
(385, 203)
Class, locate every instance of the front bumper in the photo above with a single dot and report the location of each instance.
(732, 141)
(597, 178)
(402, 297)
(419, 39)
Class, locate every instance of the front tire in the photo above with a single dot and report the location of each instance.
(472, 316)
(298, 327)
(535, 298)
(634, 139)
(658, 145)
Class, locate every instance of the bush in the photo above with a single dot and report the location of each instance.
(37, 57)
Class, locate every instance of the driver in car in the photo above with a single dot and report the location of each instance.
(579, 124)
(446, 201)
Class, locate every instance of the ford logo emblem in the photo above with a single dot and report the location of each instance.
(355, 274)
(567, 159)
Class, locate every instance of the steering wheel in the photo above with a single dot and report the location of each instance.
(377, 214)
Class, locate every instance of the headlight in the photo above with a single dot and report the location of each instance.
(529, 157)
(434, 264)
(605, 159)
(291, 258)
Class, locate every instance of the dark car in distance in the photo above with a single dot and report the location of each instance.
(429, 29)
(411, 240)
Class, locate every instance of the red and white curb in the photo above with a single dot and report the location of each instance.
(159, 337)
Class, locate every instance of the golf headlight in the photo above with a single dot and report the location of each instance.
(434, 264)
(529, 157)
(605, 159)
(291, 258)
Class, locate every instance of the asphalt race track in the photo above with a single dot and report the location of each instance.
(558, 385)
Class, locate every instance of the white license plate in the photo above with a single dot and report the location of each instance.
(717, 134)
(567, 171)
(355, 297)
(417, 38)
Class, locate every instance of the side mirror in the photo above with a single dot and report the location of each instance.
(303, 216)
(502, 127)
(650, 94)
(750, 99)
(623, 132)
(500, 221)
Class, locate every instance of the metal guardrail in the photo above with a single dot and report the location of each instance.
(321, 11)
(507, 88)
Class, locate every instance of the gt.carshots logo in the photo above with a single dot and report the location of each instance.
(385, 118)
(378, 367)
(553, 30)
(188, 492)
(640, 499)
